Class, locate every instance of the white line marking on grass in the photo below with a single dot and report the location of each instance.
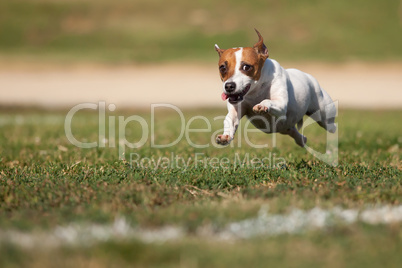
(265, 224)
(298, 221)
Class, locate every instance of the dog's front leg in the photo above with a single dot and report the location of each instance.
(277, 104)
(277, 108)
(230, 125)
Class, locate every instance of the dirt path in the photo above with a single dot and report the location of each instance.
(353, 85)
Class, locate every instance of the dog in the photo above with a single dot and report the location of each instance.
(274, 99)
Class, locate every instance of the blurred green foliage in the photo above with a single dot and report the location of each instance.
(157, 30)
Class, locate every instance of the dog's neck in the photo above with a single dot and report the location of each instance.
(265, 78)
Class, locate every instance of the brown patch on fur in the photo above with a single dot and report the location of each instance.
(228, 59)
(254, 56)
(251, 57)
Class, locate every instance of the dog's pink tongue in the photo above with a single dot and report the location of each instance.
(224, 96)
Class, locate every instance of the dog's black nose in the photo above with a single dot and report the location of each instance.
(230, 87)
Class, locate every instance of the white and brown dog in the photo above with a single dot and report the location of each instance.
(274, 99)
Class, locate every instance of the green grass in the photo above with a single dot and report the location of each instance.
(348, 247)
(152, 31)
(45, 181)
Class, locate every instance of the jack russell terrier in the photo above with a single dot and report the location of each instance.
(274, 99)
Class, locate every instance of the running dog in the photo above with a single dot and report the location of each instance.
(274, 99)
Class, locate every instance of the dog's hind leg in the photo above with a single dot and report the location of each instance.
(299, 138)
(323, 110)
(327, 113)
(328, 124)
(299, 124)
(321, 117)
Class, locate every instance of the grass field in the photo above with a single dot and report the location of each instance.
(195, 204)
(129, 32)
(46, 182)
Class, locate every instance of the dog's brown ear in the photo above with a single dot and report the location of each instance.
(260, 46)
(220, 51)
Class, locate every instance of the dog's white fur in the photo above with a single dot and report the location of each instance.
(277, 101)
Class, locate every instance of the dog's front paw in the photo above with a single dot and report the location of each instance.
(223, 139)
(260, 109)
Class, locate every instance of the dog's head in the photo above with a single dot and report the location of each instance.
(240, 68)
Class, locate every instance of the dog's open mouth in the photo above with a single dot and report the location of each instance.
(236, 97)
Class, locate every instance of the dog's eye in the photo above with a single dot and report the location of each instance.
(222, 69)
(247, 67)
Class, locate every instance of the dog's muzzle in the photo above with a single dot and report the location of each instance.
(236, 97)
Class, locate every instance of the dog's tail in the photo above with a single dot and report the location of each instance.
(300, 124)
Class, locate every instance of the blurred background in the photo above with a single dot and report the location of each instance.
(90, 50)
